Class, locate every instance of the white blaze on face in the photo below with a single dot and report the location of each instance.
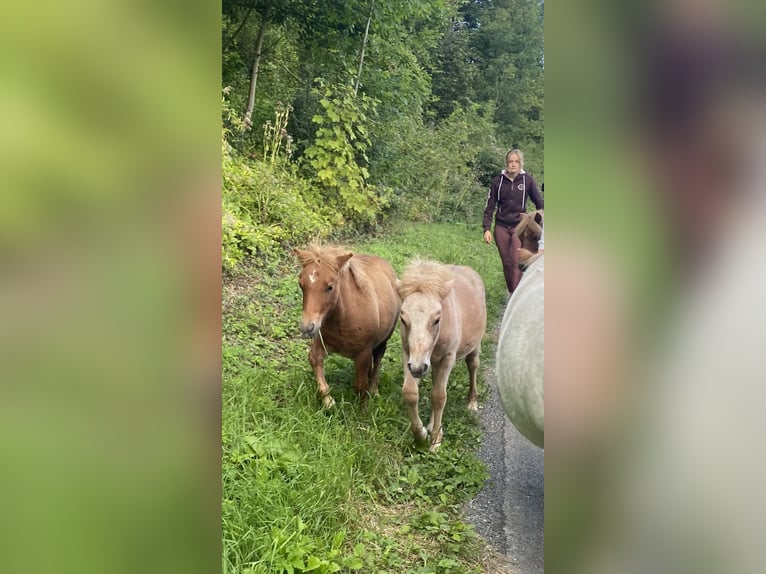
(313, 276)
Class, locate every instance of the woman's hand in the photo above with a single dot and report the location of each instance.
(487, 237)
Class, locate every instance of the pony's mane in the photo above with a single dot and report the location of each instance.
(426, 277)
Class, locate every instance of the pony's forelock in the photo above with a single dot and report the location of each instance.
(424, 276)
(326, 255)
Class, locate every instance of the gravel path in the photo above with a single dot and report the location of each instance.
(508, 512)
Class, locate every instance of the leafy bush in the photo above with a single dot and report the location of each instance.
(414, 171)
(434, 171)
(264, 201)
(339, 154)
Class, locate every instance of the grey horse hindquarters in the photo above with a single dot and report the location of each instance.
(521, 355)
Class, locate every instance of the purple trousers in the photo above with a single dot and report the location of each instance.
(508, 245)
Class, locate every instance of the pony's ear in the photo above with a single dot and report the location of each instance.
(538, 216)
(446, 287)
(341, 260)
(303, 255)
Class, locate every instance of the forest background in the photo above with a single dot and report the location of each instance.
(341, 116)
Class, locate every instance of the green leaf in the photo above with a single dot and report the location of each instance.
(353, 563)
(337, 540)
(317, 119)
(312, 563)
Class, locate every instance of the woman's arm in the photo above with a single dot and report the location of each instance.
(489, 209)
(534, 195)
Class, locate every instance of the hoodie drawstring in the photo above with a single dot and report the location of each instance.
(524, 193)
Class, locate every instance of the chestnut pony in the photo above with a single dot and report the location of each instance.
(529, 230)
(350, 307)
(443, 319)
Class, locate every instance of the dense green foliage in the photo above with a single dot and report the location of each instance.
(339, 116)
(306, 490)
(339, 154)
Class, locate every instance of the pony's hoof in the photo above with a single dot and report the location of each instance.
(435, 446)
(436, 441)
(473, 406)
(328, 402)
(363, 396)
(421, 436)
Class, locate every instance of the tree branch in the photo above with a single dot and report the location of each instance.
(364, 45)
(241, 25)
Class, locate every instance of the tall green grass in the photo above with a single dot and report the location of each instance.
(306, 490)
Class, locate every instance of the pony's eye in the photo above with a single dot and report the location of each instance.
(329, 288)
(436, 321)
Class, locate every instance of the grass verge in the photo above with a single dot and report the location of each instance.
(346, 491)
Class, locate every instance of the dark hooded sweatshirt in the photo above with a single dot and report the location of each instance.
(510, 198)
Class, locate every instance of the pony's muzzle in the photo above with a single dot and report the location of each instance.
(418, 370)
(309, 331)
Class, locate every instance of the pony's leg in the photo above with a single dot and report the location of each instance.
(362, 368)
(316, 358)
(377, 357)
(410, 393)
(442, 369)
(472, 360)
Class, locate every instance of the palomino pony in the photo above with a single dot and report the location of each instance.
(350, 307)
(521, 354)
(443, 317)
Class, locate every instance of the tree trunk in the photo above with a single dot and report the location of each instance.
(364, 45)
(256, 64)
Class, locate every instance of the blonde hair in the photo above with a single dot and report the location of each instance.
(519, 153)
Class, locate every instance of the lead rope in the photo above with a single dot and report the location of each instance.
(321, 340)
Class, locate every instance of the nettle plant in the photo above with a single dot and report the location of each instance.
(339, 153)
